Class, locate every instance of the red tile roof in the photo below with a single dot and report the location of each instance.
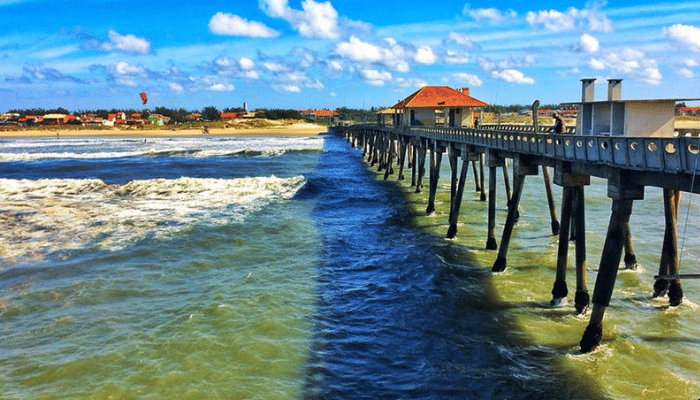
(324, 113)
(230, 115)
(438, 97)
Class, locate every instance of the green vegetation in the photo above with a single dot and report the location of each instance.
(276, 114)
(357, 115)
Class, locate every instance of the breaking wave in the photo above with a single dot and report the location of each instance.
(38, 217)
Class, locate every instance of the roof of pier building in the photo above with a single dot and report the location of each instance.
(439, 97)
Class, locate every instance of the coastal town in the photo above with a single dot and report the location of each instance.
(139, 119)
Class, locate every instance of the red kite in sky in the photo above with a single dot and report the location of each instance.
(144, 97)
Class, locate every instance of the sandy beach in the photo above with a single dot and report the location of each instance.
(301, 129)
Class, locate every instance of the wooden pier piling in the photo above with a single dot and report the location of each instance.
(522, 167)
(628, 164)
(435, 162)
(457, 187)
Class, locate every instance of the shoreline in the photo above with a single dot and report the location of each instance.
(304, 130)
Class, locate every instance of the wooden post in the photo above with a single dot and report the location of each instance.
(382, 151)
(630, 258)
(435, 161)
(623, 192)
(572, 213)
(390, 157)
(452, 157)
(550, 201)
(560, 291)
(481, 177)
(477, 184)
(581, 299)
(457, 193)
(402, 157)
(669, 252)
(494, 163)
(373, 149)
(421, 165)
(521, 168)
(506, 180)
(607, 273)
(414, 165)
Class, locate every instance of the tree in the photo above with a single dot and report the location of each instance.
(357, 115)
(211, 113)
(282, 114)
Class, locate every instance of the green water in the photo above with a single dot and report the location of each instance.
(210, 313)
(649, 350)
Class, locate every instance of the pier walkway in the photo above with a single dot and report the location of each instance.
(629, 164)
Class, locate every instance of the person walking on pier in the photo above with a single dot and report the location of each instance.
(558, 124)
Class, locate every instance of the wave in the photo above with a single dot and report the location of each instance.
(106, 148)
(53, 215)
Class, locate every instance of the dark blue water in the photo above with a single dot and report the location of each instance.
(400, 315)
(332, 293)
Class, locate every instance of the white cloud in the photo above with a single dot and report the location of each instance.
(388, 52)
(631, 63)
(487, 64)
(557, 21)
(127, 43)
(411, 82)
(375, 77)
(650, 73)
(288, 88)
(274, 66)
(685, 73)
(690, 63)
(294, 81)
(233, 25)
(251, 75)
(453, 57)
(221, 87)
(176, 87)
(684, 36)
(335, 66)
(552, 20)
(124, 68)
(596, 64)
(588, 44)
(472, 80)
(425, 55)
(318, 20)
(246, 63)
(243, 67)
(460, 39)
(489, 15)
(512, 76)
(357, 50)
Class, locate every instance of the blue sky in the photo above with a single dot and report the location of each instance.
(328, 54)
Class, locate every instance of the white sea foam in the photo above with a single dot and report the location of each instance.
(48, 215)
(25, 150)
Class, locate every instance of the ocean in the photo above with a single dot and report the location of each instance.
(269, 267)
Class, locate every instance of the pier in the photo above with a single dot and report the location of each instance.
(628, 164)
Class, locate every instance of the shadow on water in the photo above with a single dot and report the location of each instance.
(400, 313)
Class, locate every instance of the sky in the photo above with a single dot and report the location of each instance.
(339, 53)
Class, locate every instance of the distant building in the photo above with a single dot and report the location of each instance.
(437, 106)
(231, 115)
(617, 117)
(54, 119)
(318, 114)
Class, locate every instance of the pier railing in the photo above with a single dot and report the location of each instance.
(669, 155)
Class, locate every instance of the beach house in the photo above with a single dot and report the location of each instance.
(437, 106)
